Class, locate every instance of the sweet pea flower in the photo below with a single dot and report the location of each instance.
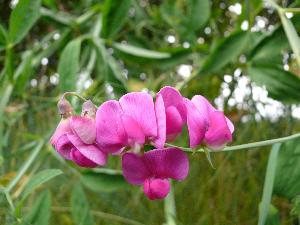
(154, 169)
(130, 122)
(74, 137)
(175, 111)
(205, 123)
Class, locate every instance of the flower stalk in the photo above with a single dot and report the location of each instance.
(242, 146)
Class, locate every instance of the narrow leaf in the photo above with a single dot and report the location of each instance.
(103, 182)
(22, 18)
(40, 211)
(292, 35)
(68, 66)
(268, 185)
(109, 68)
(3, 37)
(39, 179)
(140, 52)
(198, 13)
(287, 182)
(114, 17)
(281, 85)
(80, 207)
(225, 52)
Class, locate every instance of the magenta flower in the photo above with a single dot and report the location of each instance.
(129, 122)
(207, 124)
(74, 139)
(154, 169)
(175, 111)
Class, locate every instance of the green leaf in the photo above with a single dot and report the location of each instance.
(140, 52)
(225, 52)
(68, 66)
(39, 179)
(109, 68)
(270, 48)
(114, 16)
(281, 85)
(292, 35)
(3, 37)
(287, 181)
(102, 181)
(186, 17)
(22, 18)
(23, 72)
(198, 13)
(80, 207)
(268, 185)
(40, 211)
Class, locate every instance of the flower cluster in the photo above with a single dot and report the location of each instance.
(125, 126)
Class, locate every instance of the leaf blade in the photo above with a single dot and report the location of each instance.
(68, 65)
(80, 207)
(22, 18)
(141, 52)
(38, 179)
(226, 51)
(268, 185)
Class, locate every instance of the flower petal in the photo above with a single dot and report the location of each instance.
(62, 128)
(167, 163)
(63, 146)
(160, 113)
(230, 125)
(172, 97)
(81, 160)
(134, 131)
(140, 107)
(84, 127)
(196, 122)
(203, 106)
(92, 152)
(134, 169)
(218, 133)
(174, 122)
(110, 133)
(156, 188)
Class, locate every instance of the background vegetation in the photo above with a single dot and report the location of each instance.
(243, 55)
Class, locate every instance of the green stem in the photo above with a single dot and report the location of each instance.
(74, 94)
(292, 10)
(9, 200)
(243, 146)
(170, 207)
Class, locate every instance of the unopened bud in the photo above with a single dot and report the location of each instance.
(64, 108)
(89, 109)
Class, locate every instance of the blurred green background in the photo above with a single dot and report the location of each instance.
(244, 56)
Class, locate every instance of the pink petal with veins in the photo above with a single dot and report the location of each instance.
(140, 107)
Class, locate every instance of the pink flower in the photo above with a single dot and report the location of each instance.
(175, 111)
(154, 169)
(131, 121)
(74, 139)
(207, 124)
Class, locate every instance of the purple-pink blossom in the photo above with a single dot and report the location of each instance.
(123, 127)
(207, 124)
(130, 122)
(74, 139)
(154, 169)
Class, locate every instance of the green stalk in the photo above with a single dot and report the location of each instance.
(243, 146)
(170, 207)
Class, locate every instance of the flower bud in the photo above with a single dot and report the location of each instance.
(89, 109)
(64, 108)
